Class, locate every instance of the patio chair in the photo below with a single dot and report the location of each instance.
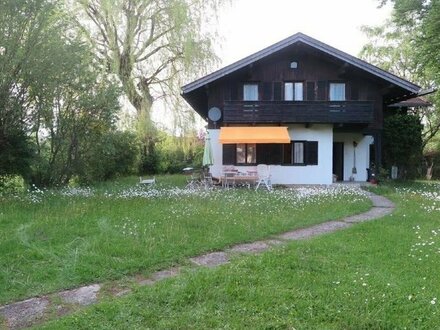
(207, 180)
(229, 180)
(263, 173)
(147, 181)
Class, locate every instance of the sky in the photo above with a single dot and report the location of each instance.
(247, 26)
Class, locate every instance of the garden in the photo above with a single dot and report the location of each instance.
(380, 274)
(376, 275)
(58, 239)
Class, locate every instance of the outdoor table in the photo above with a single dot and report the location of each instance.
(238, 178)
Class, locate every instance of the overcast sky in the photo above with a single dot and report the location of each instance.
(247, 26)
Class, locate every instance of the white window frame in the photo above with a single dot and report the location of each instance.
(246, 153)
(298, 153)
(250, 92)
(294, 91)
(337, 92)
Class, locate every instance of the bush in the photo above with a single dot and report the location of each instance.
(113, 154)
(402, 145)
(11, 184)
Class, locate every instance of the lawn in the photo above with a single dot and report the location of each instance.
(58, 239)
(376, 275)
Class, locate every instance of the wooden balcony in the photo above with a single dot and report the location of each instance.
(353, 112)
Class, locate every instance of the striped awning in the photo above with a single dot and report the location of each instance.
(254, 135)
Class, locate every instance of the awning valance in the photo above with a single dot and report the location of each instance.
(254, 135)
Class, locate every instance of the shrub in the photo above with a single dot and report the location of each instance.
(11, 184)
(402, 145)
(113, 154)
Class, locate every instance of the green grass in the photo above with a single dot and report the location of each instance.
(55, 240)
(376, 275)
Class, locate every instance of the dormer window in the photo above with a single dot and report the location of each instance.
(293, 91)
(337, 92)
(250, 92)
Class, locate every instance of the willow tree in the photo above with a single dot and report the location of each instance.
(149, 44)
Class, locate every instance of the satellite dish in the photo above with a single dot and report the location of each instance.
(214, 114)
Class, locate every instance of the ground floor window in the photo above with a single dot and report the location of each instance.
(246, 153)
(300, 153)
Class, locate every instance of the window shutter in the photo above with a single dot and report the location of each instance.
(287, 153)
(310, 91)
(322, 90)
(229, 154)
(234, 92)
(277, 91)
(311, 153)
(227, 94)
(267, 91)
(269, 153)
(354, 93)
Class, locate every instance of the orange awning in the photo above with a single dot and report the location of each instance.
(254, 135)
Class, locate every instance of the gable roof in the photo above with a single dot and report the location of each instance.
(300, 37)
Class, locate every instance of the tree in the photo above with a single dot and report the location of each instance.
(402, 143)
(24, 27)
(408, 45)
(53, 96)
(148, 44)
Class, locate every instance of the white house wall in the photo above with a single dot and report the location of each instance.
(362, 154)
(311, 174)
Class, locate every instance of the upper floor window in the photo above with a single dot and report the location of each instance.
(337, 92)
(250, 92)
(293, 91)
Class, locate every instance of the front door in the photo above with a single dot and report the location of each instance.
(338, 160)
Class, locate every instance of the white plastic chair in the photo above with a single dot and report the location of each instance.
(147, 181)
(207, 180)
(263, 173)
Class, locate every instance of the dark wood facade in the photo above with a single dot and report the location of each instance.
(364, 96)
(301, 59)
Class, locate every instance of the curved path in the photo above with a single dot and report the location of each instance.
(36, 310)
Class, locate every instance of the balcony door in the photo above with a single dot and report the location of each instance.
(338, 160)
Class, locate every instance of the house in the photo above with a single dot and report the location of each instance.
(311, 111)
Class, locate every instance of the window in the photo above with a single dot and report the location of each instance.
(294, 153)
(229, 153)
(250, 92)
(269, 153)
(246, 153)
(304, 152)
(337, 92)
(293, 91)
(298, 153)
(310, 91)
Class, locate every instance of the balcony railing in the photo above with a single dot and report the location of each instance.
(355, 112)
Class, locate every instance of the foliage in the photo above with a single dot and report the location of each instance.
(11, 184)
(16, 152)
(117, 151)
(150, 46)
(24, 29)
(171, 154)
(56, 105)
(402, 144)
(408, 45)
(55, 239)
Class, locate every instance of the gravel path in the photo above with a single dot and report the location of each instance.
(36, 310)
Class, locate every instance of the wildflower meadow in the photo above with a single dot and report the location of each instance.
(58, 239)
(381, 274)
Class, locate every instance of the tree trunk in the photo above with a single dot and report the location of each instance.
(429, 167)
